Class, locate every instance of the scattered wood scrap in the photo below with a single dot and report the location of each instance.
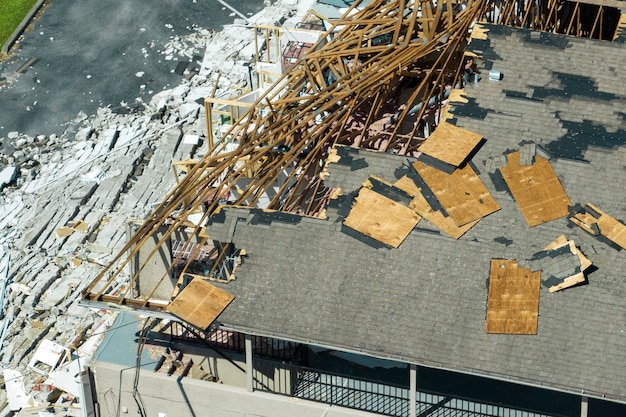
(450, 144)
(420, 205)
(200, 303)
(461, 194)
(536, 189)
(597, 223)
(513, 301)
(585, 263)
(381, 218)
(78, 226)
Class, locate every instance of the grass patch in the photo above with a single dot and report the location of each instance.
(11, 14)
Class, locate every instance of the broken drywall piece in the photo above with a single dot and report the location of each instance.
(8, 176)
(66, 377)
(16, 391)
(48, 355)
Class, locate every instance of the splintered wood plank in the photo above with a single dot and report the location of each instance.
(461, 193)
(421, 207)
(450, 144)
(609, 227)
(199, 303)
(536, 189)
(381, 218)
(584, 263)
(513, 301)
(562, 241)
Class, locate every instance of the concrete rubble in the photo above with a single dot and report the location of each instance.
(65, 200)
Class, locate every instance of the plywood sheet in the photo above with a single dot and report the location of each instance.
(461, 193)
(609, 227)
(450, 144)
(421, 207)
(536, 189)
(199, 303)
(513, 303)
(381, 218)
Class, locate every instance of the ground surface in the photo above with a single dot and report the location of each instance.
(88, 54)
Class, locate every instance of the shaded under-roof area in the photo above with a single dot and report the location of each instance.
(491, 247)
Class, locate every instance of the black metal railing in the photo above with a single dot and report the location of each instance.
(370, 395)
(264, 347)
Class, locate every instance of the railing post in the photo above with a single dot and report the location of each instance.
(584, 406)
(249, 367)
(412, 390)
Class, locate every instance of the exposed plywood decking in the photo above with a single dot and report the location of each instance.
(381, 218)
(584, 263)
(199, 303)
(450, 144)
(461, 193)
(594, 221)
(513, 303)
(421, 207)
(536, 189)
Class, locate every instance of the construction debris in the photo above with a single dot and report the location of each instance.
(597, 223)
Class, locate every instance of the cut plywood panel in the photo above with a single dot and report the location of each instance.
(421, 207)
(462, 194)
(536, 189)
(381, 218)
(199, 303)
(450, 144)
(513, 303)
(594, 221)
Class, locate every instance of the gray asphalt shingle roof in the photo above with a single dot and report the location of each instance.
(425, 302)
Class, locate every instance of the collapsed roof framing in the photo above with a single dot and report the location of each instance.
(598, 19)
(369, 82)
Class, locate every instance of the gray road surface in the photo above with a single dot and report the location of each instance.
(89, 51)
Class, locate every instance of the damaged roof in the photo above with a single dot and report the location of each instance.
(425, 302)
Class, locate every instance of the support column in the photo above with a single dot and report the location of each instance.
(584, 406)
(249, 367)
(412, 390)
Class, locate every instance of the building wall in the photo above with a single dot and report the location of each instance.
(184, 397)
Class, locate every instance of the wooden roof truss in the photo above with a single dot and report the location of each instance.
(368, 82)
(598, 19)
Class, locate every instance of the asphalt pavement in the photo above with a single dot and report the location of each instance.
(87, 54)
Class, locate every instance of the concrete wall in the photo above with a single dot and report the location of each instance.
(194, 398)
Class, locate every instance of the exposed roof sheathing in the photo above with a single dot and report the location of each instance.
(513, 303)
(199, 303)
(536, 189)
(381, 218)
(450, 144)
(461, 193)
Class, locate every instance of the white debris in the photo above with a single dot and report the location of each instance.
(16, 392)
(101, 169)
(48, 355)
(96, 175)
